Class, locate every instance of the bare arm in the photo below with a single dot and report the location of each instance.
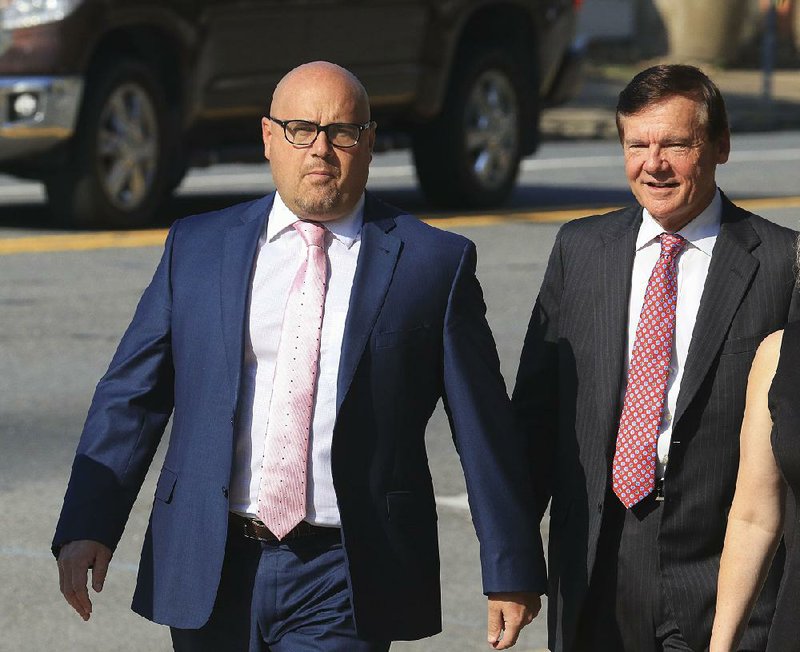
(755, 522)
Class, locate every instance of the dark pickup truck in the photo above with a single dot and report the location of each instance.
(109, 101)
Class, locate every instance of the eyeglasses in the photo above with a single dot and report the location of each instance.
(304, 133)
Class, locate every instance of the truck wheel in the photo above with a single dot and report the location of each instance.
(469, 156)
(120, 160)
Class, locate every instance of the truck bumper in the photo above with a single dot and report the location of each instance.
(36, 113)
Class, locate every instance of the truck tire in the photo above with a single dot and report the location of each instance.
(469, 156)
(121, 160)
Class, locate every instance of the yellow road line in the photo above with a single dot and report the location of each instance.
(560, 215)
(762, 203)
(83, 241)
(156, 237)
(564, 215)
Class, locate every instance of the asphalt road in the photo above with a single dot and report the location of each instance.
(62, 312)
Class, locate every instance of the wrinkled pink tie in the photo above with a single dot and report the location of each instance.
(634, 468)
(282, 494)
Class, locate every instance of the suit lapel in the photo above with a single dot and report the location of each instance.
(612, 275)
(376, 263)
(238, 257)
(730, 274)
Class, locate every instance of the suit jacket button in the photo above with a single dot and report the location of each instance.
(600, 507)
(225, 491)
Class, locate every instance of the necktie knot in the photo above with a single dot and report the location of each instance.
(313, 233)
(671, 245)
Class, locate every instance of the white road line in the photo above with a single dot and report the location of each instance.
(205, 182)
(575, 162)
(765, 155)
(392, 171)
(201, 183)
(23, 191)
(572, 162)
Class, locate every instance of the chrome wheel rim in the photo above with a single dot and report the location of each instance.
(127, 146)
(492, 129)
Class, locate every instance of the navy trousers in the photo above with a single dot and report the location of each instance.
(280, 597)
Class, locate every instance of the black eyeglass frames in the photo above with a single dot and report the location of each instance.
(339, 134)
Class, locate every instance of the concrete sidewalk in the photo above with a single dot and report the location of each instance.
(591, 114)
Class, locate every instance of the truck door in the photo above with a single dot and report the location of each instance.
(250, 44)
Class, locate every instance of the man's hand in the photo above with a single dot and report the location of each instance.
(508, 614)
(74, 561)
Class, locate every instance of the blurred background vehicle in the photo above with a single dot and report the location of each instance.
(108, 102)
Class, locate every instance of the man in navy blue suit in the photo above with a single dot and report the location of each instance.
(403, 325)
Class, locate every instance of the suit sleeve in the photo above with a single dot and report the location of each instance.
(535, 398)
(130, 409)
(489, 445)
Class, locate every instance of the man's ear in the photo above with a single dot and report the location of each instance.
(372, 129)
(724, 147)
(266, 135)
(371, 139)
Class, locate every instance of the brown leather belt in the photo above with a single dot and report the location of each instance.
(253, 528)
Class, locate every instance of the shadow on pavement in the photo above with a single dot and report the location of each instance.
(33, 216)
(535, 197)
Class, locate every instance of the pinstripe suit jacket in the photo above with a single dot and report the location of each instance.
(567, 399)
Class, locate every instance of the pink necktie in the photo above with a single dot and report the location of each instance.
(282, 494)
(634, 466)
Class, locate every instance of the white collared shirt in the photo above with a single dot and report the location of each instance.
(280, 252)
(693, 263)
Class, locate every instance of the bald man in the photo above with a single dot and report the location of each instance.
(300, 343)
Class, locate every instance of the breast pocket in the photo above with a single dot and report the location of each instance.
(417, 335)
(742, 344)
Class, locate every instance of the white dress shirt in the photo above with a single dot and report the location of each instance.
(281, 250)
(693, 262)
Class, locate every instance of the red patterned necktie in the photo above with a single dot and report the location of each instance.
(282, 493)
(634, 466)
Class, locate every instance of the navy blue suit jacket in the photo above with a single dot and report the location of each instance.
(415, 331)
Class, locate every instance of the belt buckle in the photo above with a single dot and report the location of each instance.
(245, 522)
(248, 528)
(660, 491)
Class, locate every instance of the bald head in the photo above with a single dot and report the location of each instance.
(319, 181)
(310, 76)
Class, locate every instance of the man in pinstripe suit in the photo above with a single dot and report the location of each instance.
(642, 578)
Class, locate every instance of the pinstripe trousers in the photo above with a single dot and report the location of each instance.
(625, 609)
